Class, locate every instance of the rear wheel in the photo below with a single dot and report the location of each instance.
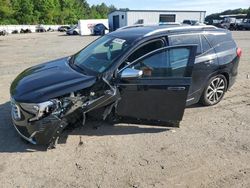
(214, 91)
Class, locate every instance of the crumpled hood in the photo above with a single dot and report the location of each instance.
(49, 80)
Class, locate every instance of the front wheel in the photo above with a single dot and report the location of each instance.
(214, 91)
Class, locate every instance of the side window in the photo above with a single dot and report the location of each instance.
(205, 45)
(145, 49)
(166, 63)
(178, 59)
(186, 39)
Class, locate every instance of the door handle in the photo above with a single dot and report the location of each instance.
(209, 62)
(176, 88)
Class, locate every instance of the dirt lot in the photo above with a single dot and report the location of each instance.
(210, 149)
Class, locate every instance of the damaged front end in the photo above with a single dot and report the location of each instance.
(44, 122)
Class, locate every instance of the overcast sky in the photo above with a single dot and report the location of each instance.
(211, 6)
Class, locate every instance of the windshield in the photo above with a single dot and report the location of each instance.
(100, 54)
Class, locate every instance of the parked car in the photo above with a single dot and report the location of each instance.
(230, 23)
(15, 31)
(73, 31)
(149, 73)
(25, 31)
(3, 32)
(244, 25)
(99, 29)
(40, 29)
(63, 28)
(190, 22)
(50, 29)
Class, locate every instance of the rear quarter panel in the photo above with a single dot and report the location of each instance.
(225, 48)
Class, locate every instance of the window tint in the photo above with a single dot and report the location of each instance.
(186, 39)
(167, 63)
(205, 45)
(178, 59)
(219, 38)
(145, 49)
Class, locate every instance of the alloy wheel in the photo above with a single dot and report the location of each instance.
(215, 90)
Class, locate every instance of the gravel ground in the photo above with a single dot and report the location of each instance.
(210, 149)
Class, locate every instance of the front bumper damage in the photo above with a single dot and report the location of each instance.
(70, 109)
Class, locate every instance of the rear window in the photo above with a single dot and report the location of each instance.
(218, 37)
(184, 39)
(221, 41)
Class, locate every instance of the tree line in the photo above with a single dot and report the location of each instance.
(216, 16)
(50, 11)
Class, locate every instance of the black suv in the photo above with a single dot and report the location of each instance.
(146, 73)
(99, 29)
(244, 25)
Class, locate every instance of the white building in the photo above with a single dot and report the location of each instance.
(121, 18)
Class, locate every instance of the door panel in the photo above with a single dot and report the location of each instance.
(154, 99)
(161, 93)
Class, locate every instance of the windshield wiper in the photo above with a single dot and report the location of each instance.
(72, 59)
(82, 69)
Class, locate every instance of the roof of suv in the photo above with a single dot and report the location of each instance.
(138, 32)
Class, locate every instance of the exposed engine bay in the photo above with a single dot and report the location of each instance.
(53, 116)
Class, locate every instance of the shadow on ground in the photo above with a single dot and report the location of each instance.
(197, 105)
(10, 141)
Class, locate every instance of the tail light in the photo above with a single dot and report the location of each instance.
(239, 52)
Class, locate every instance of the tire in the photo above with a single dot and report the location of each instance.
(75, 33)
(214, 90)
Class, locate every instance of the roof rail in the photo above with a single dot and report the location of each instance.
(181, 28)
(130, 26)
(143, 25)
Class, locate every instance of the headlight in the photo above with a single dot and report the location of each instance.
(39, 110)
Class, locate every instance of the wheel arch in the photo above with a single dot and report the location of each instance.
(215, 74)
(226, 76)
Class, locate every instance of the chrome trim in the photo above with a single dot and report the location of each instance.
(190, 99)
(131, 73)
(24, 137)
(179, 28)
(149, 25)
(15, 110)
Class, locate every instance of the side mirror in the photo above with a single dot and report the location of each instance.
(131, 73)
